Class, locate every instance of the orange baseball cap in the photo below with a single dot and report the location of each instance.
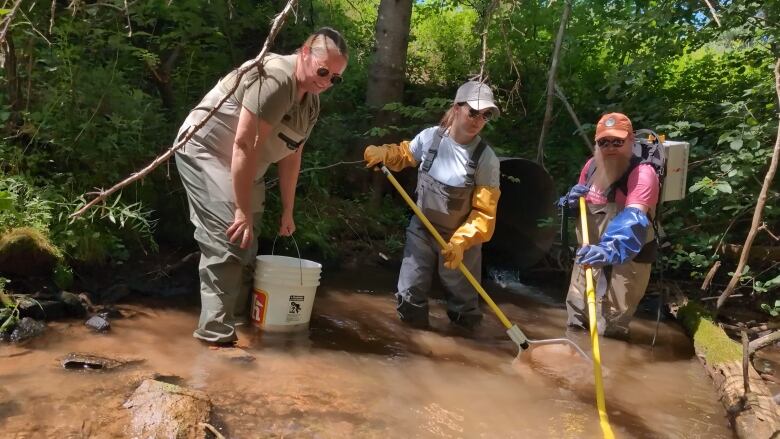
(614, 125)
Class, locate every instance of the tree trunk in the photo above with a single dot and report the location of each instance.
(551, 81)
(574, 118)
(387, 72)
(161, 77)
(13, 86)
(758, 213)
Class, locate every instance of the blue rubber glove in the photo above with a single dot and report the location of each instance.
(571, 200)
(623, 239)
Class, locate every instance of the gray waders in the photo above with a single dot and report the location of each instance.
(226, 271)
(619, 288)
(447, 208)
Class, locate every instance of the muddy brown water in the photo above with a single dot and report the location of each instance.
(358, 372)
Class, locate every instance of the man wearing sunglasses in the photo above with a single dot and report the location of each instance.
(621, 194)
(265, 120)
(457, 190)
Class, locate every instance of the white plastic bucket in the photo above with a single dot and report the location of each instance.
(284, 291)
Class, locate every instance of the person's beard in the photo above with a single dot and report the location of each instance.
(609, 169)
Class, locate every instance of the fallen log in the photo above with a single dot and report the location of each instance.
(753, 414)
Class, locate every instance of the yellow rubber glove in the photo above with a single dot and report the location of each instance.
(453, 255)
(478, 228)
(396, 156)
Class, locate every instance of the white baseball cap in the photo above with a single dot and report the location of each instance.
(478, 95)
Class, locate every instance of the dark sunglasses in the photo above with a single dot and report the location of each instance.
(617, 143)
(486, 116)
(335, 79)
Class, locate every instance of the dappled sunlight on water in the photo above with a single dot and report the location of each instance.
(359, 372)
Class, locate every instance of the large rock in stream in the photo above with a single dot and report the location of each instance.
(166, 410)
(25, 251)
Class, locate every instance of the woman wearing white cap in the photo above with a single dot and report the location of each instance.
(457, 189)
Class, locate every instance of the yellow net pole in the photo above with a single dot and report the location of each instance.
(594, 334)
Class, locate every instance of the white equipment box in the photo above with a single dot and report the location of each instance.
(675, 183)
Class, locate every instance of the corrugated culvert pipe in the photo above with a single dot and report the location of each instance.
(525, 227)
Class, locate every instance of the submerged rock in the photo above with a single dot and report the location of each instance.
(27, 328)
(98, 323)
(166, 410)
(235, 354)
(83, 360)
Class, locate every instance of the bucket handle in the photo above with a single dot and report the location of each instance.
(300, 262)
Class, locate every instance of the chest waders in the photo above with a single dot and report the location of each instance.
(225, 269)
(447, 207)
(619, 288)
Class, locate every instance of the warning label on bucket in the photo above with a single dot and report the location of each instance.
(259, 305)
(294, 311)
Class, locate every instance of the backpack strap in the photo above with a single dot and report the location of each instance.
(433, 150)
(474, 162)
(622, 182)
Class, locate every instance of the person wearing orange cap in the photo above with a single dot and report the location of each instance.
(621, 194)
(457, 190)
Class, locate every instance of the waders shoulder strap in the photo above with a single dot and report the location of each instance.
(433, 150)
(474, 162)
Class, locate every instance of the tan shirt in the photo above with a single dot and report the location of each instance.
(271, 95)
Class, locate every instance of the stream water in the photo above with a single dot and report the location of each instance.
(359, 372)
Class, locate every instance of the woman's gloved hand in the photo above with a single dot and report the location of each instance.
(396, 156)
(374, 155)
(453, 255)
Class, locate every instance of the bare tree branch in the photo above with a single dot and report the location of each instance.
(710, 275)
(758, 212)
(763, 342)
(712, 11)
(515, 90)
(272, 182)
(256, 63)
(485, 27)
(745, 363)
(8, 19)
(129, 25)
(562, 97)
(755, 329)
(51, 20)
(551, 81)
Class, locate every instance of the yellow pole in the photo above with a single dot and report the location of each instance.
(594, 334)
